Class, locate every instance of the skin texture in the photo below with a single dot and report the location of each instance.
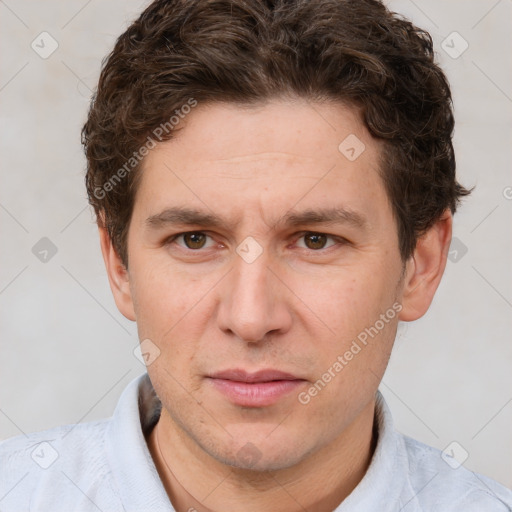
(294, 308)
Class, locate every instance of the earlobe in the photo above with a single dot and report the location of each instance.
(117, 275)
(425, 268)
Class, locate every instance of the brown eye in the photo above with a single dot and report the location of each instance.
(194, 240)
(315, 240)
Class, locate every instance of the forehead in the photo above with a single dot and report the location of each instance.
(268, 159)
(292, 128)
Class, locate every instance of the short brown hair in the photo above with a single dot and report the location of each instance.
(250, 51)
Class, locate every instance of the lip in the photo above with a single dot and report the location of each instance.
(266, 375)
(257, 389)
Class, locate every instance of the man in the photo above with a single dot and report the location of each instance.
(274, 184)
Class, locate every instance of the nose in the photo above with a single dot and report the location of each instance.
(253, 303)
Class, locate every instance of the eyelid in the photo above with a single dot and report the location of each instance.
(169, 240)
(338, 239)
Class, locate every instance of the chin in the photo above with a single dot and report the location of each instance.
(252, 459)
(262, 454)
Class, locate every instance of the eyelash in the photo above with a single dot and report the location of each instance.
(339, 240)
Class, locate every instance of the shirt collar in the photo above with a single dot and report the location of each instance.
(382, 485)
(133, 468)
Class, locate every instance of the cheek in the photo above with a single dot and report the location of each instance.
(162, 297)
(173, 309)
(346, 301)
(350, 306)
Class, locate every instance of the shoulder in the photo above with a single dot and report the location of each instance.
(439, 482)
(44, 449)
(40, 468)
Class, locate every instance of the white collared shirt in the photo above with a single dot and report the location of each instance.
(106, 466)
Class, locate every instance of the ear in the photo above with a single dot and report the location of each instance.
(117, 275)
(425, 268)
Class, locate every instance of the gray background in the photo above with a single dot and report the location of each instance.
(66, 352)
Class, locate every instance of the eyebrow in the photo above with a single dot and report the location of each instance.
(193, 217)
(326, 216)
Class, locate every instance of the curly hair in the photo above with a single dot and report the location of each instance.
(250, 51)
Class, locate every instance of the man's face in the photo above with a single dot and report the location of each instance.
(271, 285)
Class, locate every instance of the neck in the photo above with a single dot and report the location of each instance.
(196, 481)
